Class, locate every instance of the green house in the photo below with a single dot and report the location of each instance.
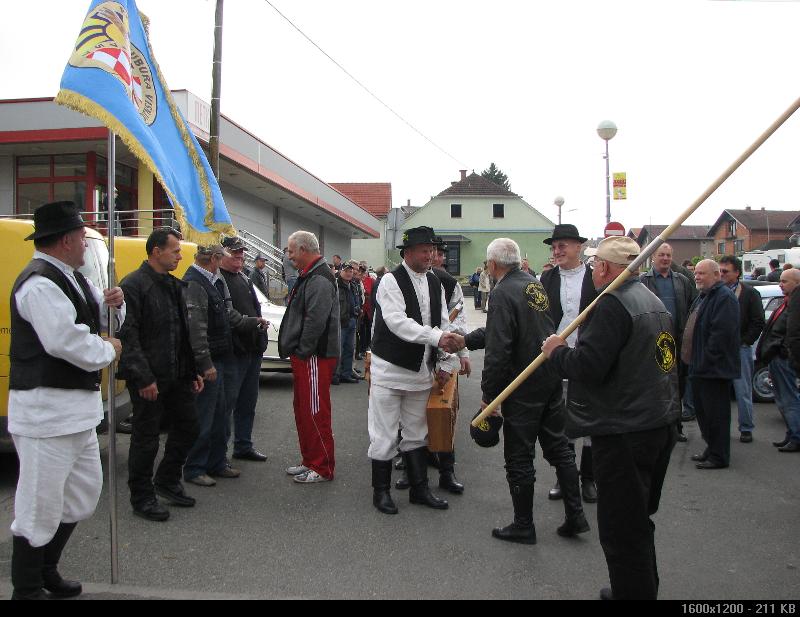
(474, 211)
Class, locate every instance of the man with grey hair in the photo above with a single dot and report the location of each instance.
(710, 348)
(310, 336)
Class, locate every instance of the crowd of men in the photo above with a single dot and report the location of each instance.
(190, 352)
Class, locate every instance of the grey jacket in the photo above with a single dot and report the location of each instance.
(310, 326)
(685, 293)
(260, 279)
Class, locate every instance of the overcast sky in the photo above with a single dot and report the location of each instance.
(689, 83)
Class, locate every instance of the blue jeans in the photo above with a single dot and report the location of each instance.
(242, 398)
(348, 344)
(688, 400)
(208, 452)
(744, 390)
(787, 397)
(477, 299)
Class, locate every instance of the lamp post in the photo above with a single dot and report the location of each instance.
(606, 130)
(559, 201)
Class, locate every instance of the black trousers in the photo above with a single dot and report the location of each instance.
(175, 407)
(526, 421)
(712, 405)
(629, 470)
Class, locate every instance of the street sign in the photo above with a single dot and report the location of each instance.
(614, 229)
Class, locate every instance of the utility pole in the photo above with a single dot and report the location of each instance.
(216, 86)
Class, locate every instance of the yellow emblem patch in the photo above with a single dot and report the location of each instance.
(665, 352)
(537, 297)
(484, 426)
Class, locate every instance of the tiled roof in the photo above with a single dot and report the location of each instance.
(764, 219)
(374, 197)
(475, 184)
(684, 232)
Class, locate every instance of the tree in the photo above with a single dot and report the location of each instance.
(497, 176)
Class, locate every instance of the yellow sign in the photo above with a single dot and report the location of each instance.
(620, 186)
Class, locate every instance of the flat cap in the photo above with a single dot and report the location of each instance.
(618, 250)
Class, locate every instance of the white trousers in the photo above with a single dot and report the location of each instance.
(391, 409)
(60, 480)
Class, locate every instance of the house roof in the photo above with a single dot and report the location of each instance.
(773, 245)
(374, 197)
(761, 220)
(475, 184)
(684, 232)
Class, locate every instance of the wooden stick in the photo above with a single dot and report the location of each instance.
(634, 267)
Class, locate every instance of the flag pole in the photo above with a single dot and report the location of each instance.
(112, 382)
(634, 267)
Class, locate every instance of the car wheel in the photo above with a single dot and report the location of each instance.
(762, 386)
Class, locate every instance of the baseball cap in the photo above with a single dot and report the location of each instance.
(233, 243)
(212, 249)
(618, 250)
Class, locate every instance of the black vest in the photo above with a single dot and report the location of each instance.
(641, 391)
(448, 282)
(220, 342)
(31, 366)
(393, 349)
(245, 300)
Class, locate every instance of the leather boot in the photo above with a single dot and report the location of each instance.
(52, 554)
(555, 492)
(417, 470)
(447, 476)
(381, 483)
(521, 530)
(402, 482)
(588, 489)
(26, 570)
(575, 520)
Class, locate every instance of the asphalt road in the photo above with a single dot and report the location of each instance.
(728, 534)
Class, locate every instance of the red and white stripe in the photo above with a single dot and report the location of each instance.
(116, 59)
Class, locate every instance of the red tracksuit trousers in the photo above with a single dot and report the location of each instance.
(312, 412)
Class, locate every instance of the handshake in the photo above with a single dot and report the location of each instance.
(452, 342)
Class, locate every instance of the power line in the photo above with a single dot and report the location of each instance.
(367, 90)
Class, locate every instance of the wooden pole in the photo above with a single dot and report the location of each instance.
(634, 267)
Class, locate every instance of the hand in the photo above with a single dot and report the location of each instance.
(150, 393)
(442, 377)
(451, 342)
(553, 342)
(496, 412)
(117, 344)
(466, 367)
(263, 324)
(210, 374)
(113, 297)
(198, 385)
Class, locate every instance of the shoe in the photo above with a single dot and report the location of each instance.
(310, 477)
(51, 579)
(700, 458)
(381, 481)
(682, 438)
(518, 534)
(710, 465)
(251, 455)
(555, 492)
(202, 480)
(348, 380)
(417, 470)
(226, 472)
(402, 482)
(780, 444)
(589, 491)
(447, 476)
(606, 594)
(573, 526)
(296, 470)
(690, 418)
(746, 437)
(125, 426)
(790, 447)
(175, 495)
(152, 511)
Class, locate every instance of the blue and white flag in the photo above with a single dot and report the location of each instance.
(112, 75)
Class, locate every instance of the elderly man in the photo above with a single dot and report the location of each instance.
(624, 392)
(710, 348)
(54, 402)
(310, 335)
(259, 277)
(517, 323)
(751, 323)
(410, 319)
(778, 348)
(570, 290)
(349, 310)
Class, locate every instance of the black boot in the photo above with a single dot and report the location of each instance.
(575, 520)
(447, 476)
(402, 482)
(52, 554)
(588, 489)
(521, 530)
(399, 465)
(26, 570)
(417, 470)
(555, 492)
(381, 483)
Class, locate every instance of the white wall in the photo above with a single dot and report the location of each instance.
(248, 212)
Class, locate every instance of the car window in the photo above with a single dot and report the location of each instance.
(772, 303)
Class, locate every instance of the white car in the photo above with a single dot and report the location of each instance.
(273, 313)
(771, 298)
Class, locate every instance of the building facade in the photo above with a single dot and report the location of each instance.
(738, 231)
(375, 198)
(687, 242)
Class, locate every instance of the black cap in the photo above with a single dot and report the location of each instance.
(565, 232)
(233, 243)
(487, 433)
(418, 235)
(55, 218)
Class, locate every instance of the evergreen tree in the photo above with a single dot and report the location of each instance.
(496, 175)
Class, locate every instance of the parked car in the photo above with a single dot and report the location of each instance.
(771, 299)
(272, 361)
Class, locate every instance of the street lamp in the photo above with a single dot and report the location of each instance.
(606, 130)
(559, 201)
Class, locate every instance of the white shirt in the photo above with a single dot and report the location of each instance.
(393, 310)
(571, 286)
(51, 412)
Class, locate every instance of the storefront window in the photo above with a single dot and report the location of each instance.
(33, 167)
(31, 196)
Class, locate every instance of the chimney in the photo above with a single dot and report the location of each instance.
(747, 207)
(408, 204)
(763, 209)
(463, 174)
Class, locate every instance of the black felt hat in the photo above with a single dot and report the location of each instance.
(487, 433)
(54, 218)
(565, 232)
(418, 235)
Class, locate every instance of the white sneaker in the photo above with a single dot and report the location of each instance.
(296, 470)
(310, 477)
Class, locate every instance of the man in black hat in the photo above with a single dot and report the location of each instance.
(410, 319)
(54, 403)
(570, 290)
(259, 277)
